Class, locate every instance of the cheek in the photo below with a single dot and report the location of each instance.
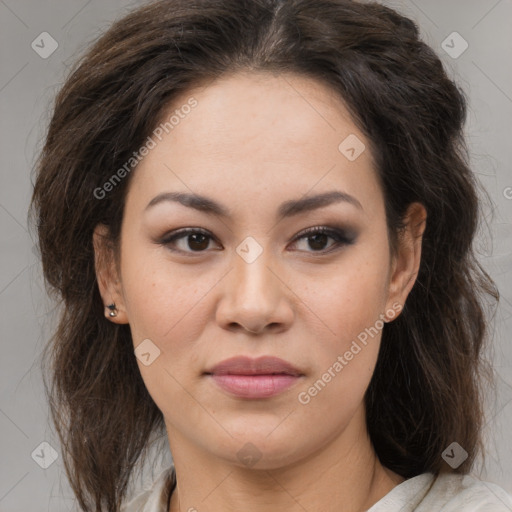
(350, 304)
(343, 368)
(171, 305)
(355, 294)
(164, 305)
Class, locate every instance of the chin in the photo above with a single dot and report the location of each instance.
(265, 447)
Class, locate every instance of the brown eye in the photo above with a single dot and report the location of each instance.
(318, 237)
(192, 240)
(318, 242)
(196, 241)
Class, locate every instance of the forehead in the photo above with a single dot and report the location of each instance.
(259, 133)
(262, 111)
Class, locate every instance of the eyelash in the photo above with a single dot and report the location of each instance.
(339, 236)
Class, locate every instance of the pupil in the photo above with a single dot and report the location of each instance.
(193, 239)
(315, 238)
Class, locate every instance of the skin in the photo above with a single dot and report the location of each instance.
(254, 141)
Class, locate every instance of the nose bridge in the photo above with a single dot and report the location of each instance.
(253, 297)
(252, 277)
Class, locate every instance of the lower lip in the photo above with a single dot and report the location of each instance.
(255, 386)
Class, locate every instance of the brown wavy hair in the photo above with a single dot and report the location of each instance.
(426, 391)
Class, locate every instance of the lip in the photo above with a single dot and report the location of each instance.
(245, 377)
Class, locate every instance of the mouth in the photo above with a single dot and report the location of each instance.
(263, 377)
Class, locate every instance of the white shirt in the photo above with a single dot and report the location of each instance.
(422, 493)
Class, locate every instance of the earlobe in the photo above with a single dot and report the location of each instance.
(407, 260)
(107, 276)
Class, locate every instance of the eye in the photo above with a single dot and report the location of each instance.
(192, 240)
(197, 240)
(318, 237)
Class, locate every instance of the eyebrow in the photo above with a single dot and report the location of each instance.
(287, 209)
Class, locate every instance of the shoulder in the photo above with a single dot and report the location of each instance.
(465, 492)
(155, 497)
(446, 492)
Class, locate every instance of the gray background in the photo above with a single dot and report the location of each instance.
(28, 83)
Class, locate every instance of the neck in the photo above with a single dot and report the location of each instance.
(345, 475)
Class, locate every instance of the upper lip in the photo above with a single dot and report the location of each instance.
(265, 365)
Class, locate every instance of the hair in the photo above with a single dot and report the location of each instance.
(426, 391)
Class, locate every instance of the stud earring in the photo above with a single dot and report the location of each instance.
(113, 309)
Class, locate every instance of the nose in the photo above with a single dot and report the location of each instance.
(255, 298)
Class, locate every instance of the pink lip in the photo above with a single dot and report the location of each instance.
(263, 377)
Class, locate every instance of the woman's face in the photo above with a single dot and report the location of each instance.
(274, 157)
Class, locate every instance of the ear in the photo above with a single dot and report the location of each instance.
(406, 261)
(107, 275)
